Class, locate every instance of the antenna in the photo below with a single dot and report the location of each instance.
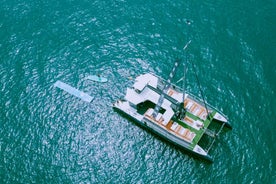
(187, 44)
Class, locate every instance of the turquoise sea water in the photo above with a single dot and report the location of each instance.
(49, 136)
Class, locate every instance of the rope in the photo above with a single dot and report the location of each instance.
(200, 90)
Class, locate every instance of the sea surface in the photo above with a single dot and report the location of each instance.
(50, 136)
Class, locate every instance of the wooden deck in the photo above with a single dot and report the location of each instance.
(173, 127)
(195, 108)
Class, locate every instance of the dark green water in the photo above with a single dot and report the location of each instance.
(49, 136)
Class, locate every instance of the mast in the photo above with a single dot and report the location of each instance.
(188, 22)
(165, 89)
(181, 108)
(185, 70)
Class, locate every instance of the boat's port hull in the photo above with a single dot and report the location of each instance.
(144, 125)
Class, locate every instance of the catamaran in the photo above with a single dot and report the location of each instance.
(173, 113)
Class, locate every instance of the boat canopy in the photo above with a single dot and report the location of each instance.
(143, 80)
(147, 94)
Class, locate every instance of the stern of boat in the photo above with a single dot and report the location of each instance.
(202, 153)
(121, 105)
(219, 117)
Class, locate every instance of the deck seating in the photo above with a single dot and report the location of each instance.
(159, 118)
(202, 110)
(189, 120)
(171, 92)
(195, 108)
(203, 115)
(186, 134)
(189, 105)
(189, 136)
(182, 131)
(174, 126)
(196, 124)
